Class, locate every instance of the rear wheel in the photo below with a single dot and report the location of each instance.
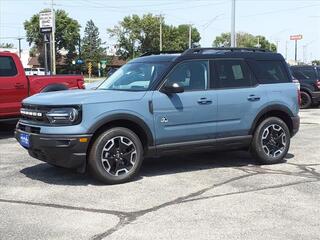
(306, 100)
(116, 156)
(271, 141)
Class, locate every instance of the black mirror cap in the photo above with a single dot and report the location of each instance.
(172, 88)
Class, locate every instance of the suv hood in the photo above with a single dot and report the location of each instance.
(73, 97)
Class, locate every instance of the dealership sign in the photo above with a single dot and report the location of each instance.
(46, 21)
(296, 37)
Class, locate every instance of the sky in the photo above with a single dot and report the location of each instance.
(275, 19)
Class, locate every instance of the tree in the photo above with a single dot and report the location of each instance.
(315, 62)
(244, 40)
(136, 35)
(6, 45)
(92, 51)
(67, 35)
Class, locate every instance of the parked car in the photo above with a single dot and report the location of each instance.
(198, 100)
(15, 85)
(309, 78)
(28, 71)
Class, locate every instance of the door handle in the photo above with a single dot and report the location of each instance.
(253, 98)
(204, 101)
(19, 85)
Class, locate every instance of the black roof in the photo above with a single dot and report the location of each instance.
(208, 53)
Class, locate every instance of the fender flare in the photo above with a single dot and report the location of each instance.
(128, 117)
(274, 107)
(54, 87)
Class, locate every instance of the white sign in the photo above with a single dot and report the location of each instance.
(46, 21)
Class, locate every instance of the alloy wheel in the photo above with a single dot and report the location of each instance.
(274, 140)
(118, 156)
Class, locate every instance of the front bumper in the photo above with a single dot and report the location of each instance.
(295, 125)
(60, 150)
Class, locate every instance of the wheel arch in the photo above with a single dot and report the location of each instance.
(280, 111)
(130, 121)
(54, 87)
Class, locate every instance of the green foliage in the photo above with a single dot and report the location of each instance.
(6, 45)
(67, 35)
(92, 51)
(244, 40)
(316, 62)
(136, 35)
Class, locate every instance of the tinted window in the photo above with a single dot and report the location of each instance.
(304, 73)
(192, 75)
(272, 72)
(233, 74)
(7, 67)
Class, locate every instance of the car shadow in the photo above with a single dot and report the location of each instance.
(166, 165)
(7, 129)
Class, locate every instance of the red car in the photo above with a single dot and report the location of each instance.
(15, 85)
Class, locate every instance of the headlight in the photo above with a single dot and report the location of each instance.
(63, 116)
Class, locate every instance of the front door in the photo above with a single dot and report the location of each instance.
(187, 116)
(13, 88)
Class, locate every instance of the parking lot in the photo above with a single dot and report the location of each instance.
(221, 195)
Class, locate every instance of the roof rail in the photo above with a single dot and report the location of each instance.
(160, 52)
(224, 49)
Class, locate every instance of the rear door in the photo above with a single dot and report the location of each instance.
(13, 87)
(239, 97)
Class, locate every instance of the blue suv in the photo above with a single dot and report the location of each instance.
(198, 100)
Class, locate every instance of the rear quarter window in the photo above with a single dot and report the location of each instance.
(308, 73)
(7, 67)
(272, 71)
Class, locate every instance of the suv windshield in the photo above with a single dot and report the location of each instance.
(134, 76)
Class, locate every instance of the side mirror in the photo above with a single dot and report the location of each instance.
(172, 88)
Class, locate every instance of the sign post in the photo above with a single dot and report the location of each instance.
(89, 69)
(46, 24)
(295, 38)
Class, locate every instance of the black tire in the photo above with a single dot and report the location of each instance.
(260, 144)
(306, 100)
(106, 169)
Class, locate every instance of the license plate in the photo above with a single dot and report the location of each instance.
(25, 140)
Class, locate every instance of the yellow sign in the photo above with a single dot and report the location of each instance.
(89, 68)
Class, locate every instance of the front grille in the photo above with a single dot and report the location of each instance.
(34, 113)
(28, 129)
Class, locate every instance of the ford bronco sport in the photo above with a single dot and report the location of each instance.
(201, 99)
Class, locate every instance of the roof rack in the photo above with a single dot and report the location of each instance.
(222, 49)
(160, 52)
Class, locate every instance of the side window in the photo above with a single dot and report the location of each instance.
(192, 75)
(7, 67)
(304, 73)
(233, 74)
(272, 72)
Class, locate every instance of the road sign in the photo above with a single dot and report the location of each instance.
(89, 69)
(296, 37)
(46, 37)
(46, 22)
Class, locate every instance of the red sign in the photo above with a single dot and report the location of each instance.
(296, 37)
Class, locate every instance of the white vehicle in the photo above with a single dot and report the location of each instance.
(38, 71)
(28, 71)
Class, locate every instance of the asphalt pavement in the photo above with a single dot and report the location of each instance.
(217, 195)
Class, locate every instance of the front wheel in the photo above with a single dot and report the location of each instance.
(271, 141)
(306, 100)
(116, 156)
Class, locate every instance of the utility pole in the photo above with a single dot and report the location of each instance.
(190, 31)
(160, 33)
(19, 39)
(277, 44)
(233, 23)
(53, 41)
(286, 50)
